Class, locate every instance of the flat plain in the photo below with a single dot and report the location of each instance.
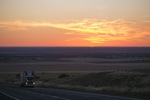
(118, 71)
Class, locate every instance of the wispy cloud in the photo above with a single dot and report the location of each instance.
(93, 30)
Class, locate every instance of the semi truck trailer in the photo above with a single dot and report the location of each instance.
(27, 79)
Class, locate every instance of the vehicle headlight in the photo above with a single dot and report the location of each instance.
(33, 82)
(26, 83)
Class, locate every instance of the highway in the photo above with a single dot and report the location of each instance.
(16, 93)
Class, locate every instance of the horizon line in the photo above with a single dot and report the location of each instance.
(63, 46)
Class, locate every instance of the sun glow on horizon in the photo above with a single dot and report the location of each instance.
(75, 23)
(92, 30)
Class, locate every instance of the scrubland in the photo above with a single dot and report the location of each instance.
(129, 82)
(134, 83)
(117, 71)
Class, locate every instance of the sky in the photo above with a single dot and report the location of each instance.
(74, 23)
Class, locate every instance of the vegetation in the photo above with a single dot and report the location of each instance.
(130, 83)
(134, 83)
(63, 76)
(122, 70)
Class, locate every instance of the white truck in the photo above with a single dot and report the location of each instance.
(27, 79)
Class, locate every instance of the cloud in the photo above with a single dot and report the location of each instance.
(100, 31)
(93, 30)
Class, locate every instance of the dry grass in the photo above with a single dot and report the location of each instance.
(117, 78)
(75, 64)
(132, 83)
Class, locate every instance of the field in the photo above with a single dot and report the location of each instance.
(118, 71)
(133, 83)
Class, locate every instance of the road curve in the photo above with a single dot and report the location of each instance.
(17, 93)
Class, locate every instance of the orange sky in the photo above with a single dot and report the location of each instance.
(75, 23)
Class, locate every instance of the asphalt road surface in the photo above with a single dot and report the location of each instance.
(16, 93)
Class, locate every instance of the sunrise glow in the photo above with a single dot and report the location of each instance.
(91, 23)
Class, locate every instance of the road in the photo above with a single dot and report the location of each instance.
(16, 93)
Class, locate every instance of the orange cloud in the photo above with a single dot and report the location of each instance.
(93, 30)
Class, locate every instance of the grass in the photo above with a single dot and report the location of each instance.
(134, 83)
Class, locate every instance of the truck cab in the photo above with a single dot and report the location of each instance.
(27, 79)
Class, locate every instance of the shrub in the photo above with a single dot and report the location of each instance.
(63, 76)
